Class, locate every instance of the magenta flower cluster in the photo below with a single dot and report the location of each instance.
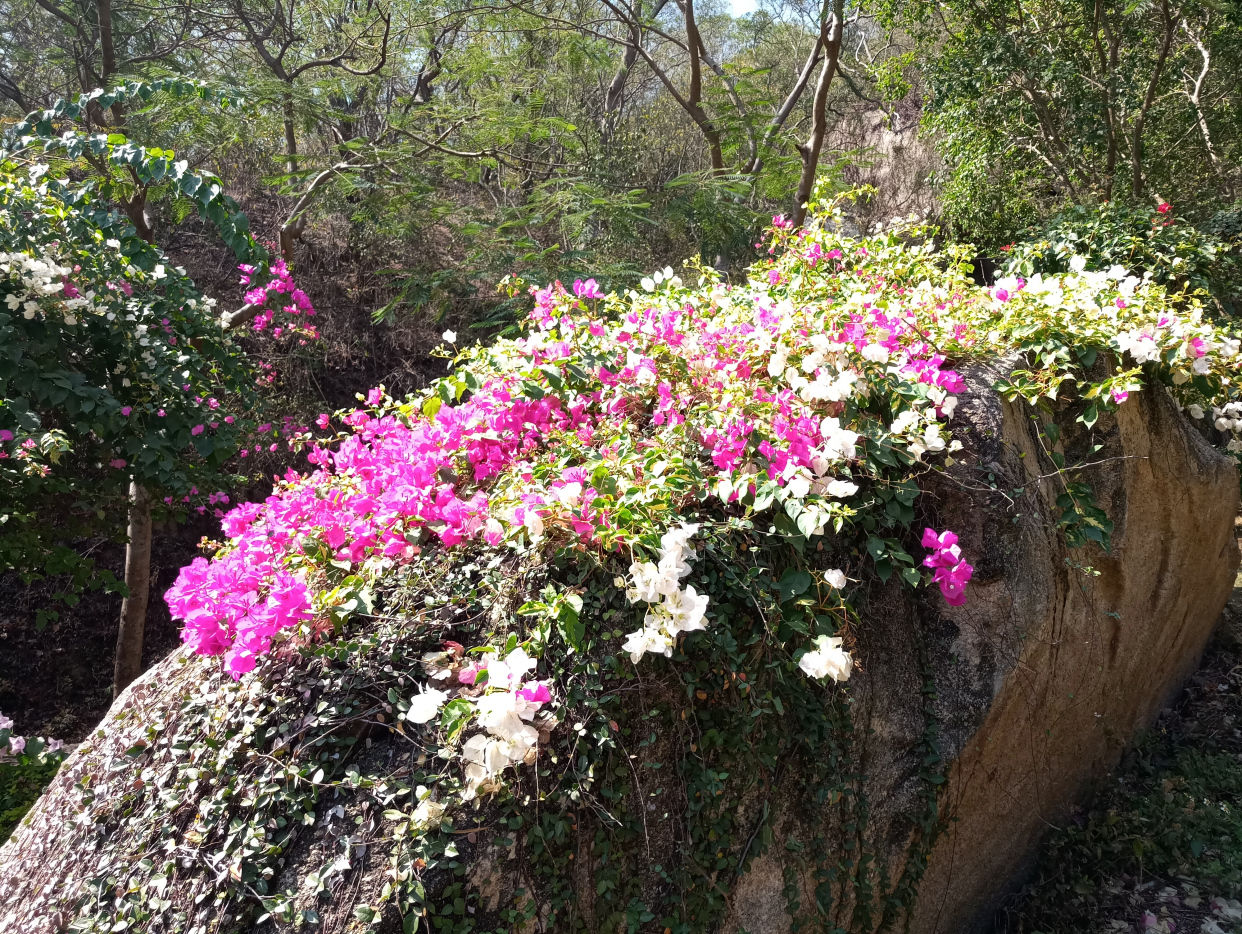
(951, 571)
(373, 495)
(746, 382)
(279, 294)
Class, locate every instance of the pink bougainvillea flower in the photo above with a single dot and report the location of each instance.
(587, 289)
(950, 571)
(538, 693)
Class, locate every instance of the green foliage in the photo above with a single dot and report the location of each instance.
(1116, 102)
(125, 168)
(746, 738)
(1145, 242)
(22, 779)
(113, 365)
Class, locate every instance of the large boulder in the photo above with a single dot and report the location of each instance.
(279, 803)
(1068, 663)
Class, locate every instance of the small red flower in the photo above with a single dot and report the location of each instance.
(1163, 207)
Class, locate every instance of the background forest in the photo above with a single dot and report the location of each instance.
(416, 165)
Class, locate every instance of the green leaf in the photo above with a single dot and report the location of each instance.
(569, 622)
(794, 582)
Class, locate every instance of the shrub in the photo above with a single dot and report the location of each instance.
(27, 765)
(1149, 242)
(114, 367)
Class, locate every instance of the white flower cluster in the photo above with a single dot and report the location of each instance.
(505, 710)
(922, 433)
(1228, 418)
(1138, 344)
(827, 660)
(35, 278)
(673, 610)
(41, 285)
(665, 275)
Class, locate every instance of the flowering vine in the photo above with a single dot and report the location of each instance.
(802, 400)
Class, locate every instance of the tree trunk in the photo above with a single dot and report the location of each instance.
(615, 93)
(291, 139)
(1137, 180)
(694, 95)
(830, 32)
(782, 114)
(1195, 96)
(135, 209)
(129, 636)
(133, 624)
(107, 48)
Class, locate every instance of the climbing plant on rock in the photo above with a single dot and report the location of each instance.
(576, 635)
(662, 457)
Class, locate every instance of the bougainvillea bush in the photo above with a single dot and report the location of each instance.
(782, 420)
(113, 365)
(1150, 241)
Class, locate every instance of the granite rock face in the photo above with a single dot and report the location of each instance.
(1034, 688)
(1069, 665)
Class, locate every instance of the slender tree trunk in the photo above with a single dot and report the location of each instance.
(291, 139)
(694, 94)
(129, 637)
(1137, 180)
(786, 108)
(133, 624)
(107, 48)
(615, 92)
(810, 150)
(1195, 96)
(135, 209)
(1107, 70)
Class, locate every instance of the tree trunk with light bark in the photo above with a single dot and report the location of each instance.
(132, 631)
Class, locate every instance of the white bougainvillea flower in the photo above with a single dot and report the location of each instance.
(428, 812)
(680, 611)
(509, 671)
(498, 713)
(672, 568)
(827, 660)
(424, 706)
(840, 489)
(645, 578)
(647, 641)
(799, 484)
(835, 577)
(485, 758)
